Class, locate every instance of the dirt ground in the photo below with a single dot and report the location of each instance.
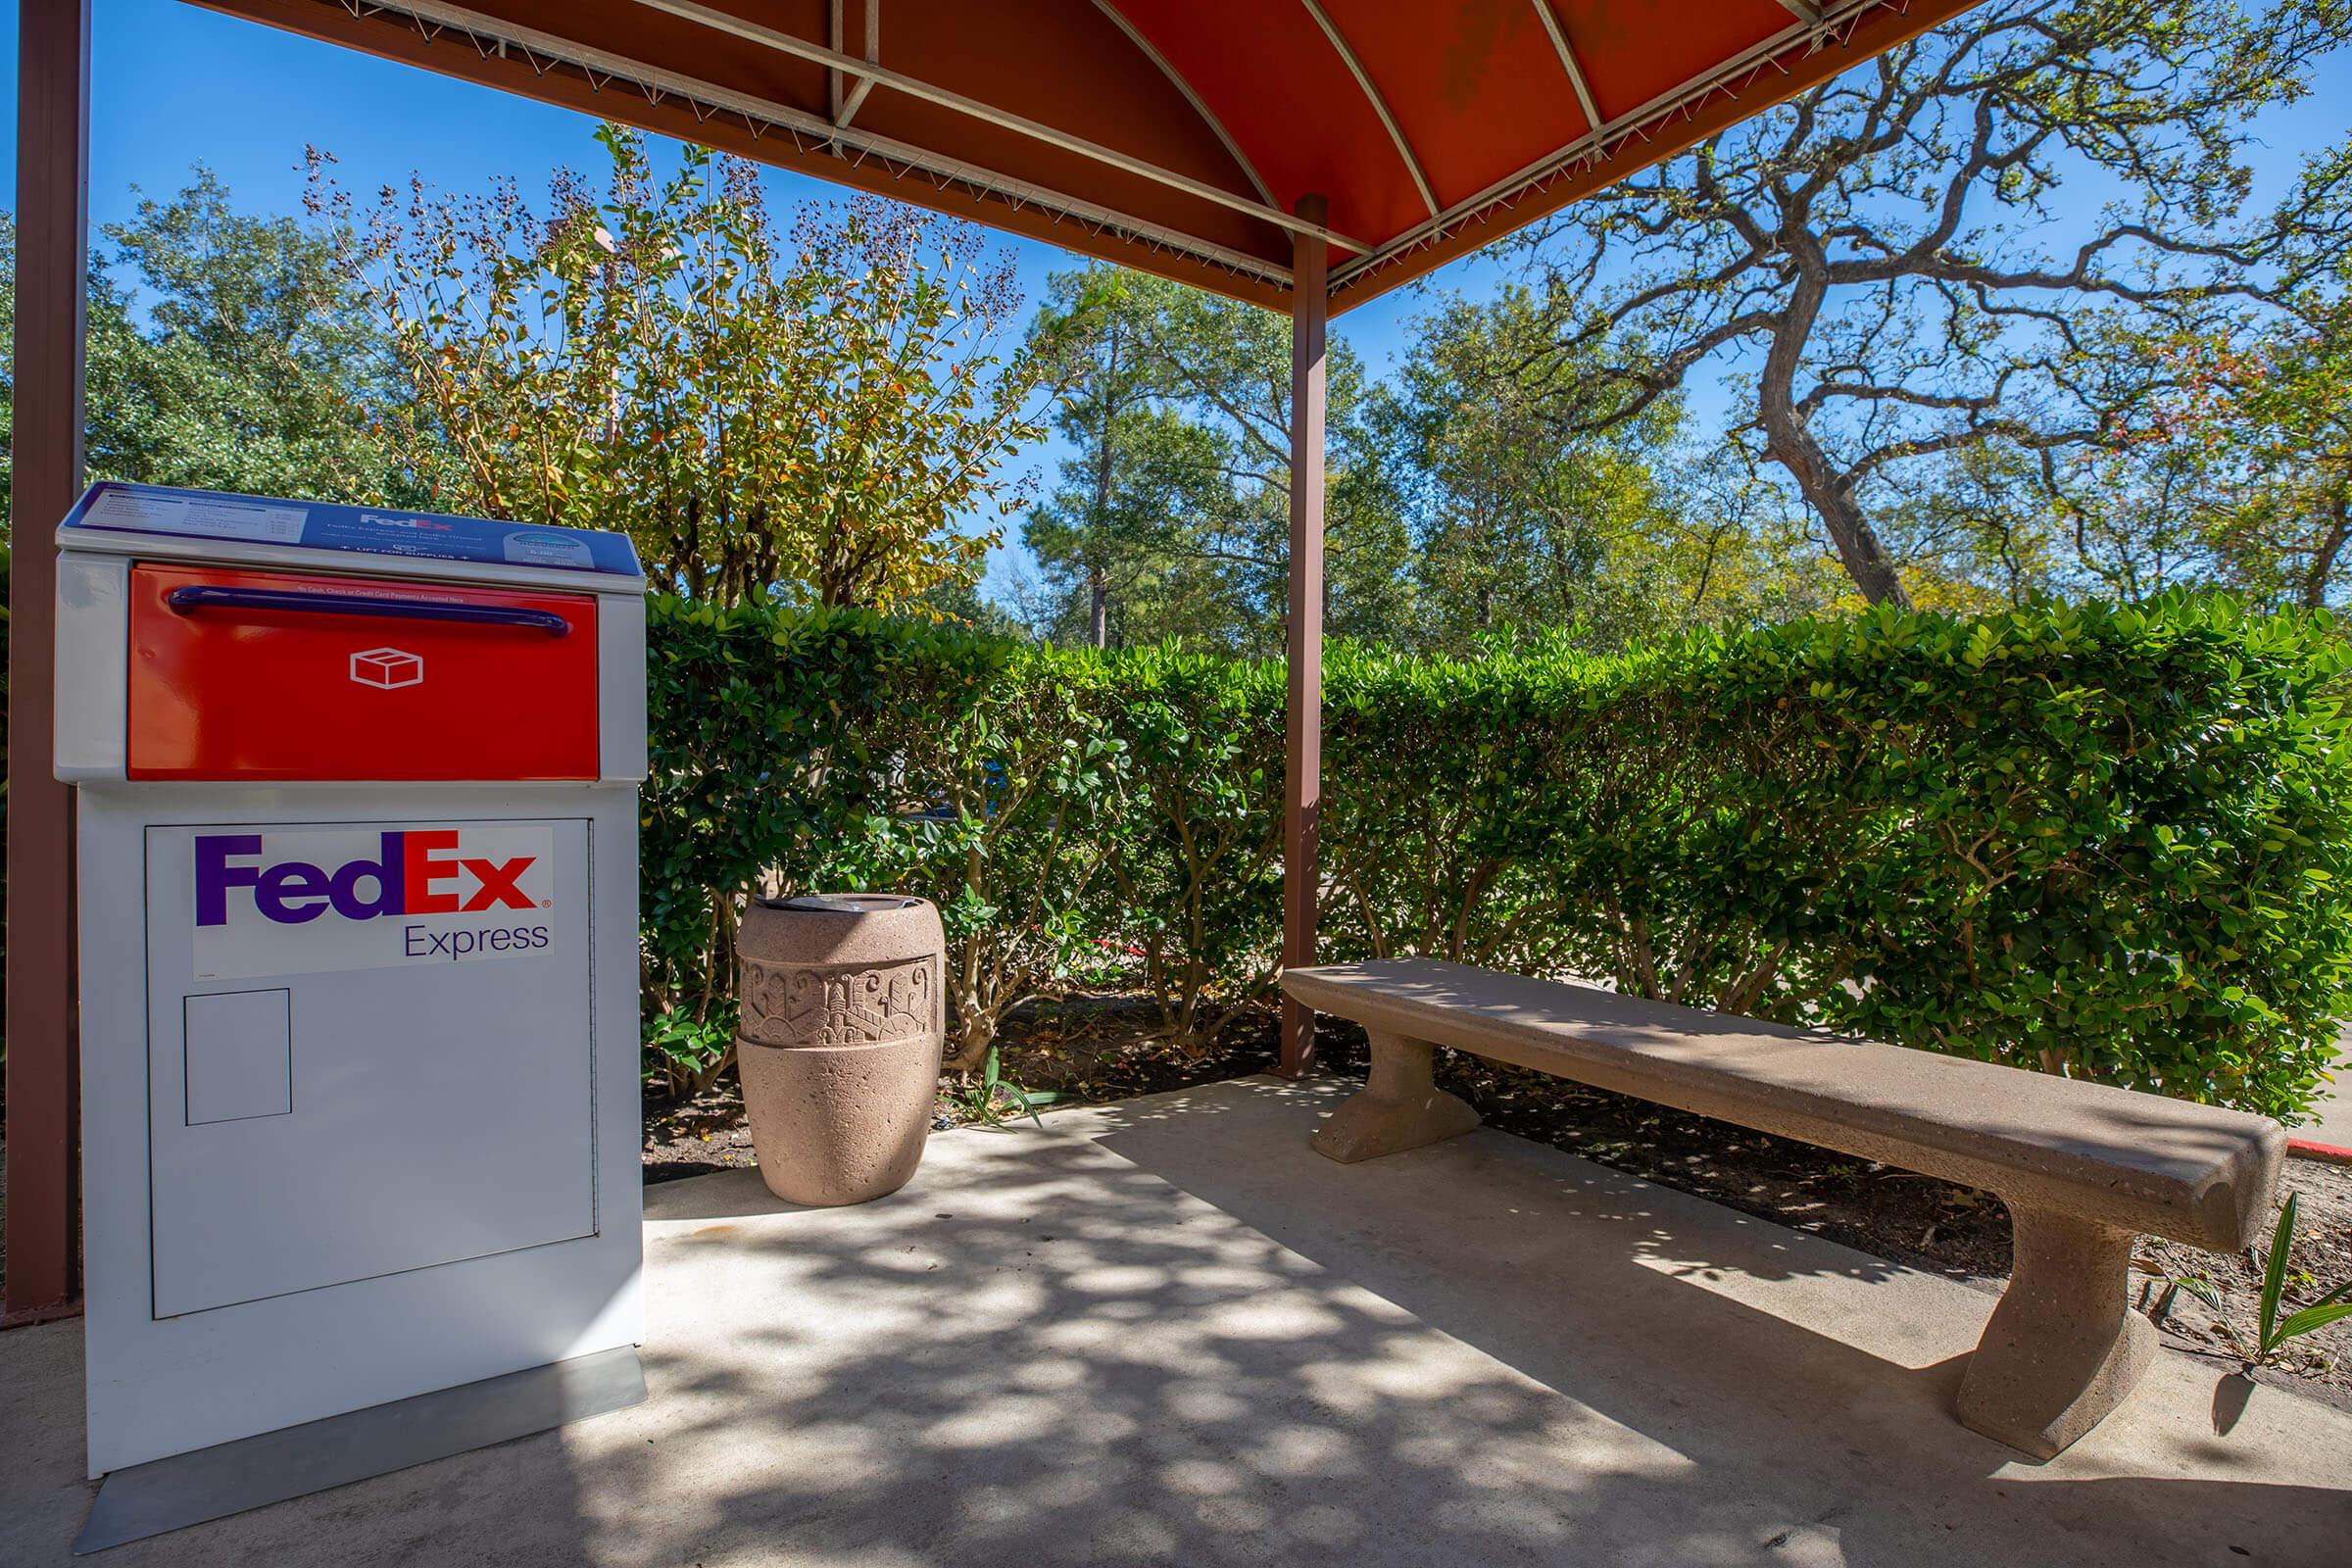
(1092, 1048)
(1085, 1049)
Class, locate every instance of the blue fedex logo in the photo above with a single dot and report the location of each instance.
(299, 900)
(415, 871)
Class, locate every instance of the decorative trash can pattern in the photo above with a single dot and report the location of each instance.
(839, 1046)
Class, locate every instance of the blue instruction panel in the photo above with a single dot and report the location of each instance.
(358, 531)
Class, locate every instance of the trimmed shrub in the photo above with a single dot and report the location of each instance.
(770, 740)
(794, 752)
(1195, 866)
(2104, 840)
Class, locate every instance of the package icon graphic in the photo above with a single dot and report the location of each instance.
(387, 668)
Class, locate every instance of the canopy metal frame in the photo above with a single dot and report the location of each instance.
(1821, 36)
(586, 66)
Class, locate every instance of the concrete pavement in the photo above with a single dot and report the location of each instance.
(1166, 1332)
(2330, 1121)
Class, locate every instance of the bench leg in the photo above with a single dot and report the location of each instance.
(2063, 1346)
(1399, 1107)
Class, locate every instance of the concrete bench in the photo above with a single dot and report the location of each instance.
(2084, 1168)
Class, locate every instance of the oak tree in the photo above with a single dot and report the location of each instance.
(1871, 259)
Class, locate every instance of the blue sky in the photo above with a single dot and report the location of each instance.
(174, 84)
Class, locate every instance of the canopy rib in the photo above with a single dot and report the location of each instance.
(809, 132)
(898, 81)
(1560, 46)
(1380, 105)
(1144, 45)
(873, 52)
(1601, 145)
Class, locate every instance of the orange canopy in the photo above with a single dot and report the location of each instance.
(1239, 145)
(1174, 135)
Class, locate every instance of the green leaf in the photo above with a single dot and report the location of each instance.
(2273, 1273)
(2310, 1318)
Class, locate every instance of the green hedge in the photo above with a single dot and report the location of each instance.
(2103, 841)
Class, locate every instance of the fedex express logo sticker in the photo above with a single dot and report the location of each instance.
(302, 900)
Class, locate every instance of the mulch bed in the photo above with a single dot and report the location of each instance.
(1096, 1049)
(1089, 1049)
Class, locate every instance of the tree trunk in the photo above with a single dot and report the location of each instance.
(1789, 441)
(1858, 548)
(2331, 546)
(1097, 575)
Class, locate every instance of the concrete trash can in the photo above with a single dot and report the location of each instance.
(839, 1046)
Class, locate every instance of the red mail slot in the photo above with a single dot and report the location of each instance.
(283, 675)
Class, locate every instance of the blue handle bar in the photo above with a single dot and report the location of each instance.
(187, 601)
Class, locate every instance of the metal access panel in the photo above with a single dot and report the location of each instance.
(351, 679)
(334, 1099)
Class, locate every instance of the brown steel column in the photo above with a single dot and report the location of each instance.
(1303, 749)
(53, 126)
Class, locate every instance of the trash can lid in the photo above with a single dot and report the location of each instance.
(844, 903)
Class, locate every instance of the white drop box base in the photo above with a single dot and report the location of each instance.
(318, 1177)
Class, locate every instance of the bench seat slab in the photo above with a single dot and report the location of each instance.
(2195, 1173)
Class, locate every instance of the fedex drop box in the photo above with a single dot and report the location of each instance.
(357, 945)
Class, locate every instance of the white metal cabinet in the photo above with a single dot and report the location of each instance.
(359, 1055)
